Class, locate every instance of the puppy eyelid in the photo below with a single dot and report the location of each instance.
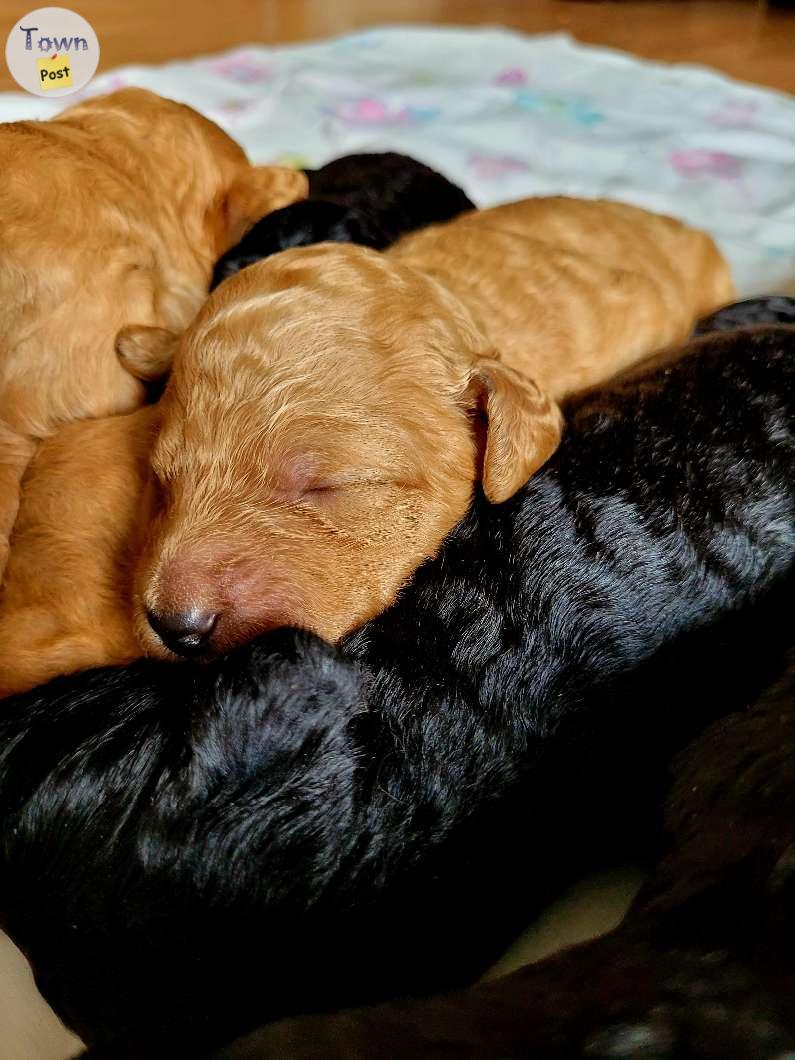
(334, 485)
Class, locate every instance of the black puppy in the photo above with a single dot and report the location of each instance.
(702, 966)
(399, 192)
(188, 851)
(774, 309)
(371, 199)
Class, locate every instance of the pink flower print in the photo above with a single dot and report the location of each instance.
(495, 167)
(372, 111)
(511, 77)
(114, 83)
(699, 163)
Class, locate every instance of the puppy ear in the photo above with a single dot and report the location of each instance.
(146, 352)
(523, 427)
(260, 190)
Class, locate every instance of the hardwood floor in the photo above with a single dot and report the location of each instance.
(743, 38)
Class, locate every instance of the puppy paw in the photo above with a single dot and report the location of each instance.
(146, 352)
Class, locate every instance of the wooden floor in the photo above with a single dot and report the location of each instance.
(741, 37)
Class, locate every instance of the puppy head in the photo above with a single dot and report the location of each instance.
(189, 163)
(321, 435)
(299, 225)
(149, 194)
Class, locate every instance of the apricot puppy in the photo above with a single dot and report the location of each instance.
(319, 440)
(573, 290)
(296, 482)
(113, 214)
(330, 412)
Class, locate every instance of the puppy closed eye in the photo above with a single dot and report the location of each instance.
(331, 489)
(352, 496)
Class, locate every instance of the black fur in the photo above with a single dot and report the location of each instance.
(701, 968)
(188, 851)
(371, 199)
(398, 191)
(774, 309)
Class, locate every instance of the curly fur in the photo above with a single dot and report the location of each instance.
(148, 194)
(189, 851)
(332, 408)
(328, 416)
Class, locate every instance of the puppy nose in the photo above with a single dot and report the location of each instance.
(184, 632)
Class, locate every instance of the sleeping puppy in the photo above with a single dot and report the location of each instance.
(297, 827)
(573, 291)
(369, 199)
(320, 437)
(311, 491)
(332, 408)
(702, 966)
(402, 193)
(85, 499)
(114, 212)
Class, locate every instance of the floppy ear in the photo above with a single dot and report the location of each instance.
(257, 191)
(523, 427)
(146, 352)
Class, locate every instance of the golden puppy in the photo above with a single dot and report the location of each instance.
(319, 440)
(113, 214)
(65, 601)
(321, 432)
(327, 417)
(341, 459)
(573, 290)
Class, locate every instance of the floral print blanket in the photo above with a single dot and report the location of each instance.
(506, 116)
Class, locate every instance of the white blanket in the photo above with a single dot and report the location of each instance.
(507, 116)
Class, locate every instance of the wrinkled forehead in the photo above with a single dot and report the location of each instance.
(325, 315)
(282, 433)
(288, 361)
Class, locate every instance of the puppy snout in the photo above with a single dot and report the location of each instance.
(185, 633)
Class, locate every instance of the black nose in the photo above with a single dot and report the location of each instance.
(184, 632)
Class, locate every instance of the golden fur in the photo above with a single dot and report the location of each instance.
(329, 412)
(113, 214)
(318, 439)
(65, 600)
(573, 290)
(318, 443)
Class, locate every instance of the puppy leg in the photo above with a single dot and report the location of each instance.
(16, 452)
(34, 653)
